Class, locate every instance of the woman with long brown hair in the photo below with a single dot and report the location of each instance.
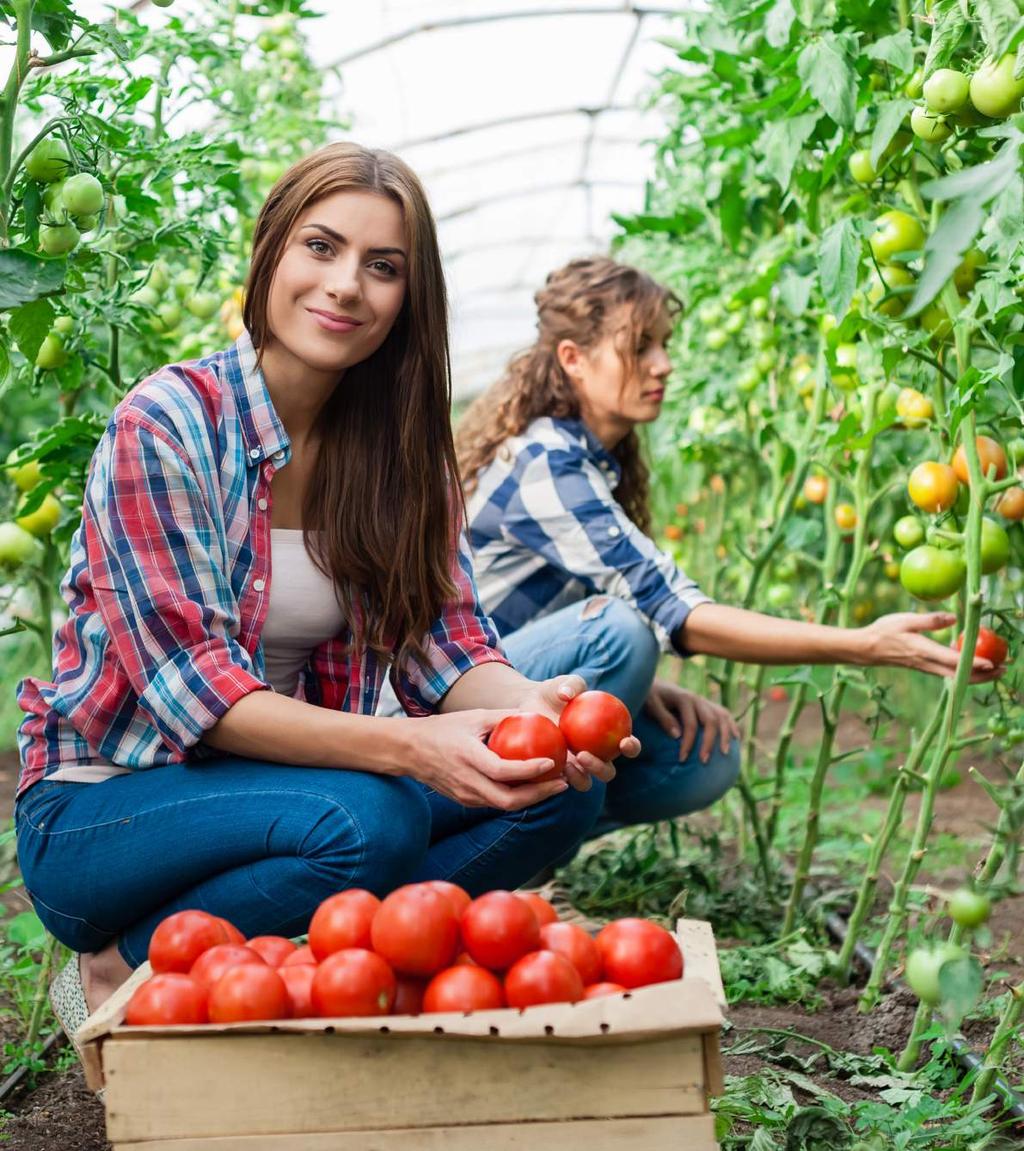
(558, 517)
(266, 533)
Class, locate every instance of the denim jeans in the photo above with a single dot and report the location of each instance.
(262, 844)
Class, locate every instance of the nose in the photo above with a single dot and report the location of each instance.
(662, 366)
(343, 281)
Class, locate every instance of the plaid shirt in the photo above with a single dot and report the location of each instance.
(547, 531)
(169, 585)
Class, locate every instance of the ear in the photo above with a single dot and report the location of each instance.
(569, 356)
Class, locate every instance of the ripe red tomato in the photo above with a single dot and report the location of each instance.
(464, 958)
(298, 981)
(463, 989)
(598, 990)
(252, 991)
(416, 930)
(990, 646)
(300, 956)
(167, 998)
(498, 928)
(541, 907)
(530, 736)
(342, 921)
(273, 949)
(635, 952)
(353, 982)
(597, 722)
(576, 945)
(181, 938)
(408, 995)
(233, 934)
(777, 693)
(459, 898)
(542, 977)
(212, 964)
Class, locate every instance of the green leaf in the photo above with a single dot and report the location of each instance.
(891, 116)
(24, 277)
(985, 181)
(30, 325)
(948, 31)
(838, 258)
(1000, 20)
(811, 13)
(782, 141)
(5, 361)
(960, 984)
(778, 23)
(897, 50)
(732, 212)
(825, 67)
(26, 930)
(944, 249)
(681, 224)
(795, 291)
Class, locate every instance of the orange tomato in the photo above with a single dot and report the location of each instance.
(846, 518)
(933, 486)
(1010, 504)
(990, 454)
(816, 489)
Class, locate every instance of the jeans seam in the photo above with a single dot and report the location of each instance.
(485, 851)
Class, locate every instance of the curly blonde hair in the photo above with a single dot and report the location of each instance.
(574, 304)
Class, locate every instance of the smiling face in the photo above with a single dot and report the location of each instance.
(614, 394)
(339, 285)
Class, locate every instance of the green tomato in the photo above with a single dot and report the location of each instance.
(749, 380)
(49, 160)
(908, 532)
(203, 304)
(734, 323)
(53, 200)
(966, 274)
(290, 48)
(969, 908)
(759, 307)
(1015, 450)
(923, 967)
(168, 317)
(716, 338)
(765, 362)
(52, 354)
(709, 313)
(82, 195)
(915, 85)
(994, 90)
(931, 573)
(17, 546)
(779, 595)
(58, 239)
(146, 297)
(87, 223)
(995, 546)
(65, 325)
(946, 90)
(25, 477)
(928, 127)
(1015, 736)
(159, 276)
(162, 3)
(43, 520)
(890, 293)
(861, 168)
(896, 231)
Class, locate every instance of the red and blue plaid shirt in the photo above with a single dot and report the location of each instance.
(169, 585)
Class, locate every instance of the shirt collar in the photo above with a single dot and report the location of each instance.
(604, 458)
(262, 430)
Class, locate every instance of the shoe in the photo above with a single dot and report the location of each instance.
(67, 998)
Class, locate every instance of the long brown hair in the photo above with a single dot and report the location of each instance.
(574, 304)
(382, 497)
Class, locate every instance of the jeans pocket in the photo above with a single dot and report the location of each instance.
(33, 807)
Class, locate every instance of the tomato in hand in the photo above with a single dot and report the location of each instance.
(416, 930)
(463, 989)
(498, 928)
(542, 977)
(167, 998)
(181, 938)
(599, 990)
(212, 964)
(301, 955)
(990, 646)
(636, 952)
(541, 907)
(530, 736)
(596, 722)
(273, 949)
(342, 921)
(353, 982)
(577, 945)
(247, 993)
(298, 981)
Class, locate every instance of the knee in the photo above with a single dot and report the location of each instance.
(576, 813)
(628, 646)
(724, 769)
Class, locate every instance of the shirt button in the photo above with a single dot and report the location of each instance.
(614, 531)
(258, 585)
(254, 453)
(262, 505)
(279, 455)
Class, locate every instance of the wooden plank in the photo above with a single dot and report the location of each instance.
(663, 1133)
(700, 954)
(175, 1087)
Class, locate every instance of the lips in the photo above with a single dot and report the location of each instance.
(334, 323)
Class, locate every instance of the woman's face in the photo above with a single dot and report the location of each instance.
(612, 395)
(340, 282)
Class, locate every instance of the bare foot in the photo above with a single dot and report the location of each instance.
(103, 972)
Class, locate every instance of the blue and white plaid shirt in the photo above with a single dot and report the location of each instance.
(546, 531)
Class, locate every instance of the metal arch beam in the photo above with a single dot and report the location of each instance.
(522, 193)
(520, 118)
(515, 153)
(626, 8)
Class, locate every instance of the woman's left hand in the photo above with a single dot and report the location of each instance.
(681, 712)
(549, 697)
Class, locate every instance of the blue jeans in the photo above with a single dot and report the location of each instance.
(262, 844)
(604, 640)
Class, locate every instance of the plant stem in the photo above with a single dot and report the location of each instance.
(796, 708)
(1007, 1028)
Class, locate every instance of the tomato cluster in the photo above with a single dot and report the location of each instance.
(426, 948)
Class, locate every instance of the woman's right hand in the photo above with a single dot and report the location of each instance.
(447, 753)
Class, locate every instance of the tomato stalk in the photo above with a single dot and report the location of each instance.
(22, 10)
(1008, 1028)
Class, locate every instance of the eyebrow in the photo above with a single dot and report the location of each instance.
(341, 240)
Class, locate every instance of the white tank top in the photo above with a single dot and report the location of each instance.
(303, 611)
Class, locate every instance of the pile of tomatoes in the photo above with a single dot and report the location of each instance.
(427, 947)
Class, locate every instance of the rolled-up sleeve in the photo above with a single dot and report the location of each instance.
(463, 637)
(160, 579)
(564, 510)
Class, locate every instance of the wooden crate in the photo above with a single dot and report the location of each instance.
(627, 1072)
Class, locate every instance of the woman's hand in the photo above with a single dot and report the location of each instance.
(549, 697)
(680, 712)
(896, 640)
(448, 753)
